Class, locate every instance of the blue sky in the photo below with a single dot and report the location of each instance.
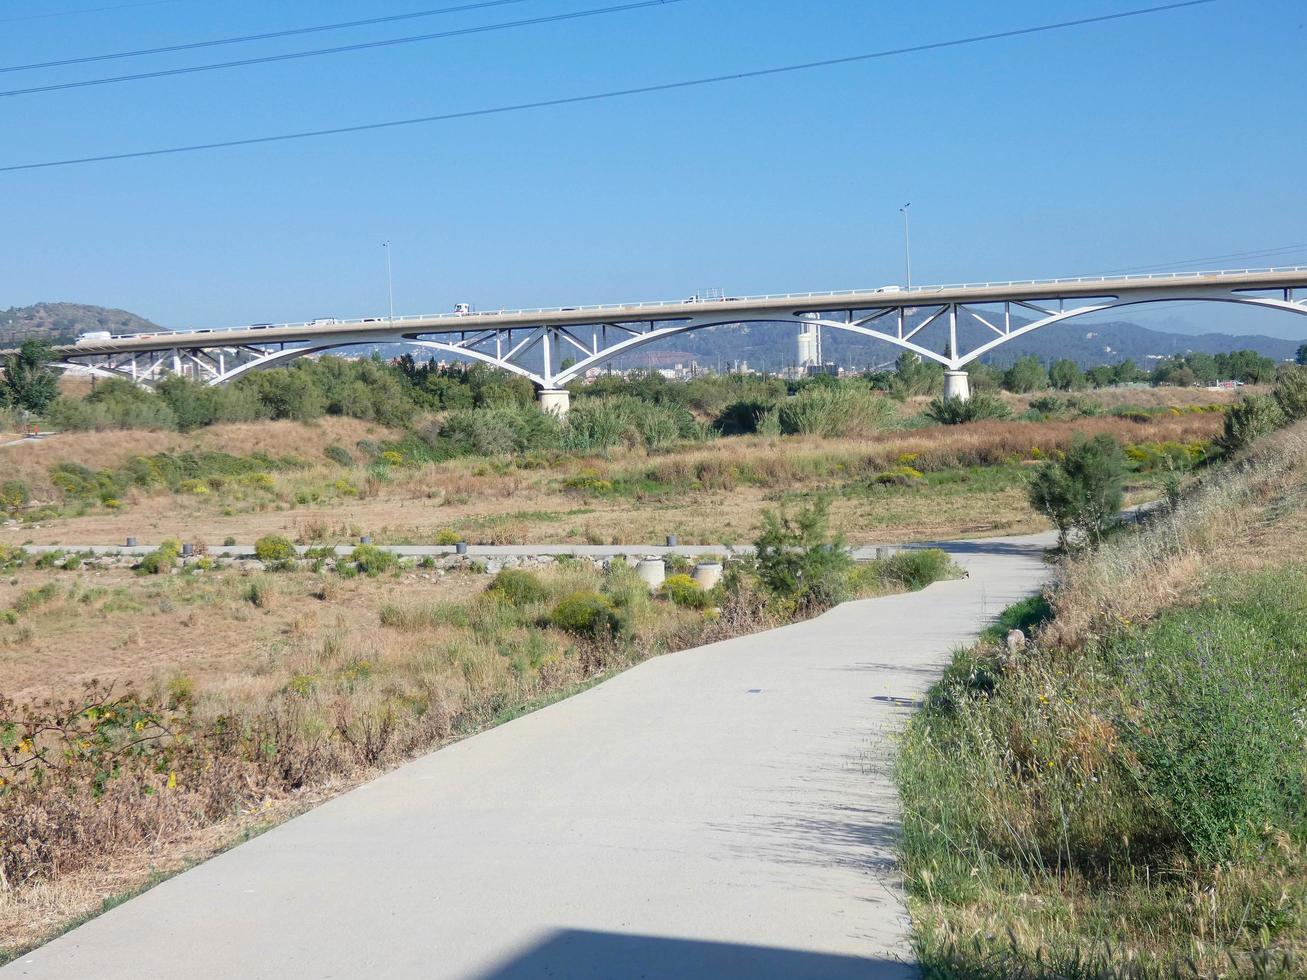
(1138, 142)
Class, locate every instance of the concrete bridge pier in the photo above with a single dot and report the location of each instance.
(555, 401)
(957, 385)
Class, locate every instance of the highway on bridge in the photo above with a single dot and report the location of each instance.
(554, 346)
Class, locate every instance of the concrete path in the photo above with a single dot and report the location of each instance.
(724, 812)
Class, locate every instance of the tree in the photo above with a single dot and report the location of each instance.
(1065, 375)
(1027, 374)
(1291, 394)
(912, 376)
(1301, 357)
(1081, 492)
(29, 382)
(1127, 372)
(798, 563)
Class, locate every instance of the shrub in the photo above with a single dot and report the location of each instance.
(798, 562)
(372, 561)
(339, 455)
(685, 592)
(1082, 491)
(518, 587)
(259, 593)
(917, 568)
(1291, 394)
(14, 495)
(1249, 420)
(273, 549)
(160, 560)
(587, 614)
(958, 411)
(834, 412)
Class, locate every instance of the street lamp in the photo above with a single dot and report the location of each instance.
(390, 282)
(907, 242)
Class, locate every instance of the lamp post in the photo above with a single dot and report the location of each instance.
(907, 242)
(390, 282)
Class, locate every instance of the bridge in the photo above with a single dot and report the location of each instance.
(552, 347)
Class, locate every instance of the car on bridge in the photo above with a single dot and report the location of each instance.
(94, 336)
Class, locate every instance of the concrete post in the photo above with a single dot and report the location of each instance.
(652, 572)
(956, 385)
(555, 401)
(707, 574)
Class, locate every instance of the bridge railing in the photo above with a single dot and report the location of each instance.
(880, 293)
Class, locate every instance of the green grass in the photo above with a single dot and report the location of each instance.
(1142, 798)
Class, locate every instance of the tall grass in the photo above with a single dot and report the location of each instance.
(1129, 792)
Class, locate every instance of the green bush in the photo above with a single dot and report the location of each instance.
(958, 411)
(916, 568)
(1249, 420)
(273, 549)
(1081, 493)
(161, 560)
(14, 495)
(685, 592)
(518, 587)
(843, 411)
(372, 561)
(587, 614)
(799, 562)
(1290, 393)
(339, 455)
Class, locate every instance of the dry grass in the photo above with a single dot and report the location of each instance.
(344, 676)
(1235, 519)
(706, 494)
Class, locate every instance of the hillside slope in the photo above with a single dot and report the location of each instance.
(60, 322)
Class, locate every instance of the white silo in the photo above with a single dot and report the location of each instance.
(809, 351)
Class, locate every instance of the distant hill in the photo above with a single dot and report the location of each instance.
(56, 323)
(769, 346)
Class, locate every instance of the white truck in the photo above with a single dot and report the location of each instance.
(94, 337)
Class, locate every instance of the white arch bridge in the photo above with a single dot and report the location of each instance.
(537, 343)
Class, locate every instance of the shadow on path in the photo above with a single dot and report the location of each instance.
(574, 953)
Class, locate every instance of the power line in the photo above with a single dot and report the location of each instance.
(87, 10)
(361, 46)
(256, 37)
(614, 94)
(1258, 253)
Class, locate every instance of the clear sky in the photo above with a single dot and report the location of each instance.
(1135, 143)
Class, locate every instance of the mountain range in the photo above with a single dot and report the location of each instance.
(58, 323)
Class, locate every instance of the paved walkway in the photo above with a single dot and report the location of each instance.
(724, 812)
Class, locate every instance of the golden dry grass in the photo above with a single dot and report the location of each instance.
(709, 494)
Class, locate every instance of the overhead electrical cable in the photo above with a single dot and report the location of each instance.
(341, 49)
(1260, 253)
(86, 10)
(269, 35)
(613, 94)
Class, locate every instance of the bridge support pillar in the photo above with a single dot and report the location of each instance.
(555, 401)
(957, 385)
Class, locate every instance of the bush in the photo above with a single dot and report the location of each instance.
(1246, 422)
(1081, 492)
(14, 495)
(958, 411)
(372, 561)
(834, 412)
(160, 560)
(339, 455)
(685, 592)
(518, 587)
(587, 614)
(273, 549)
(917, 568)
(798, 562)
(1291, 394)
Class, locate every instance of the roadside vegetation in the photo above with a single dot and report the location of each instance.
(1112, 782)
